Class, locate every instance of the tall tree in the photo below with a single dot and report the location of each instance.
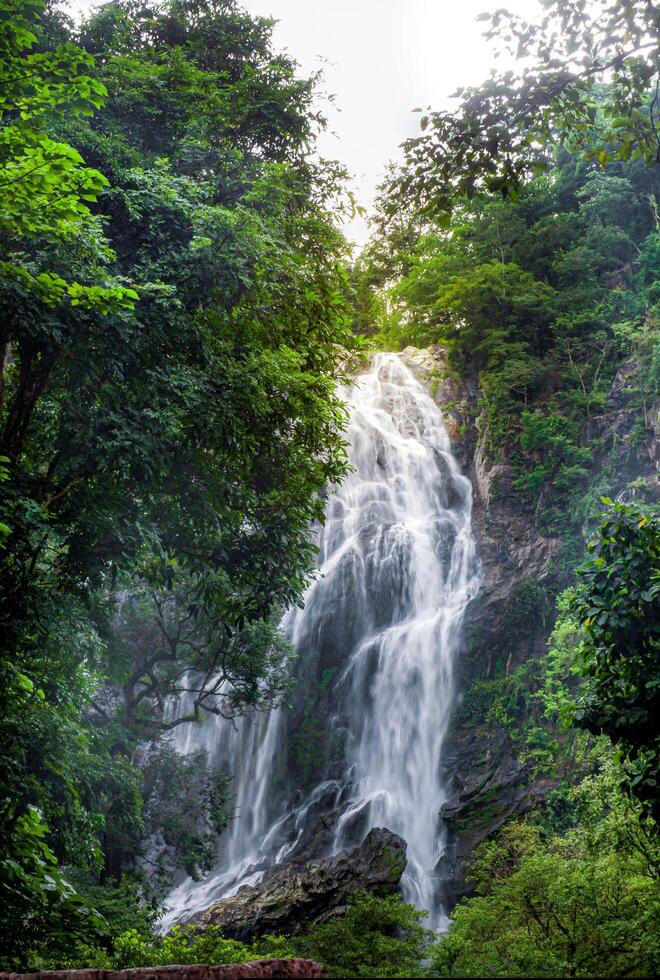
(170, 448)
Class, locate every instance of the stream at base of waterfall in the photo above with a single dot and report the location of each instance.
(378, 635)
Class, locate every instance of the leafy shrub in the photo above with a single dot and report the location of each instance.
(377, 937)
(617, 607)
(124, 905)
(582, 904)
(182, 945)
(38, 902)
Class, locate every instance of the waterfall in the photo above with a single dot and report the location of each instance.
(381, 625)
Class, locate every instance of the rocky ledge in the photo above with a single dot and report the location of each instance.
(291, 895)
(230, 971)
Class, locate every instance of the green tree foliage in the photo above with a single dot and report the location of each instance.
(376, 937)
(186, 805)
(38, 903)
(46, 187)
(154, 635)
(538, 302)
(45, 184)
(163, 455)
(182, 945)
(502, 131)
(617, 604)
(56, 775)
(578, 904)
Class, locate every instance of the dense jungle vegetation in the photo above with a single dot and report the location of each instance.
(178, 308)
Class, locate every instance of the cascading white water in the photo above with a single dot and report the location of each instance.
(397, 572)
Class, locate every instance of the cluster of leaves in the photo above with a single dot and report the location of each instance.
(39, 904)
(46, 186)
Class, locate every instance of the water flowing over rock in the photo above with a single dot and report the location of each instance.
(291, 896)
(377, 638)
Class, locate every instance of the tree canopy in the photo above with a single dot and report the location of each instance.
(588, 80)
(176, 324)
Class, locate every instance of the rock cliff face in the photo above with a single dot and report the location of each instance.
(508, 623)
(488, 783)
(293, 895)
(506, 626)
(512, 552)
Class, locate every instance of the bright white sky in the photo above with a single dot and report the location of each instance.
(381, 59)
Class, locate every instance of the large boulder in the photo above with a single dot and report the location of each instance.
(291, 896)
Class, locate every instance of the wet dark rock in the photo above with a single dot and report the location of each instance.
(293, 895)
(496, 787)
(449, 493)
(625, 439)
